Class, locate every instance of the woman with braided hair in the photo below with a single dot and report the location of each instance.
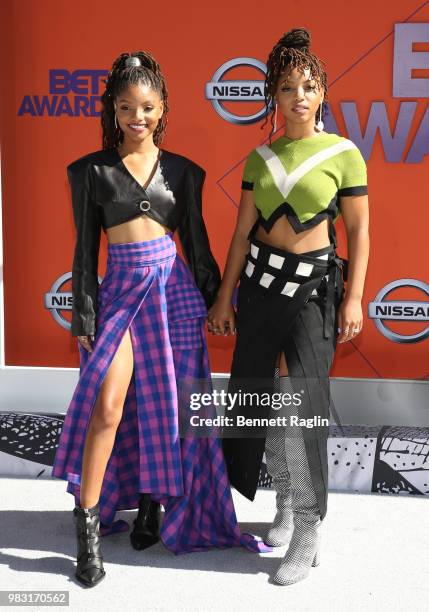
(140, 334)
(291, 298)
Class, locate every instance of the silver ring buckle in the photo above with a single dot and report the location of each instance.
(144, 205)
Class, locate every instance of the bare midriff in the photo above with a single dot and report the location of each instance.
(283, 236)
(139, 229)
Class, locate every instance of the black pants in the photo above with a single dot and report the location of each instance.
(267, 324)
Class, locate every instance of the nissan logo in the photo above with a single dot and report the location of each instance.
(220, 89)
(382, 310)
(57, 300)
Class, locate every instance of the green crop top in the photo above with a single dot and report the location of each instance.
(303, 179)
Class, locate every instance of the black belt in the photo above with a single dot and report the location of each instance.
(336, 266)
(332, 277)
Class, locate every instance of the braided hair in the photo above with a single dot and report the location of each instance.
(118, 79)
(292, 50)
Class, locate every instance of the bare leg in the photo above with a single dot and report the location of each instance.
(105, 420)
(282, 364)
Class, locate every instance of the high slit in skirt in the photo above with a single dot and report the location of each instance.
(286, 303)
(149, 290)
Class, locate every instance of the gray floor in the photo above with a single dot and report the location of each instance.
(374, 556)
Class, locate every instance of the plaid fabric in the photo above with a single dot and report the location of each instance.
(150, 290)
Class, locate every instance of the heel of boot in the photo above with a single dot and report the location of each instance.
(316, 559)
(145, 532)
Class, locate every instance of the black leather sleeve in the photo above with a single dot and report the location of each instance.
(85, 260)
(193, 236)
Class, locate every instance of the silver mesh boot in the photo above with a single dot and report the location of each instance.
(275, 454)
(304, 545)
(281, 527)
(302, 552)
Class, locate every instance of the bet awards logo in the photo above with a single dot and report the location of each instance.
(71, 93)
(220, 90)
(57, 300)
(382, 310)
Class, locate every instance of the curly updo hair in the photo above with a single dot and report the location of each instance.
(292, 51)
(119, 78)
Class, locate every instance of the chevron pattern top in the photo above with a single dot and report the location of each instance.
(303, 179)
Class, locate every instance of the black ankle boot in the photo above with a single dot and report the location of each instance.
(89, 568)
(146, 526)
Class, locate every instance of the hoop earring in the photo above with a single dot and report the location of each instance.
(275, 119)
(116, 122)
(320, 125)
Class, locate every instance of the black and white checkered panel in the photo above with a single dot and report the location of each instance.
(285, 275)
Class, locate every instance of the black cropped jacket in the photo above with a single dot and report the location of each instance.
(104, 194)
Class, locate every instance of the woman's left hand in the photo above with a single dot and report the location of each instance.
(350, 319)
(221, 318)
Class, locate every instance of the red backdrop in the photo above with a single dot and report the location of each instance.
(42, 131)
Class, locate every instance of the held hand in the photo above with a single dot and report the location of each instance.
(85, 342)
(221, 318)
(350, 319)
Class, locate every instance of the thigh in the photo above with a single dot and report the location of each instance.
(281, 364)
(115, 385)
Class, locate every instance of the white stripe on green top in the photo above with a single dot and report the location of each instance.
(286, 183)
(303, 179)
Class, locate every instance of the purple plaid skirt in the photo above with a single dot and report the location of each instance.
(149, 289)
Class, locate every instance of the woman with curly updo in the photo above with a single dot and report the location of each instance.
(291, 300)
(140, 335)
